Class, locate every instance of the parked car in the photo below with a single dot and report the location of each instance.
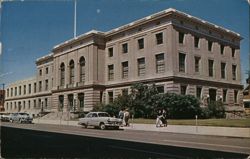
(5, 116)
(21, 118)
(101, 120)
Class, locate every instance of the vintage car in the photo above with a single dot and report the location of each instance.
(5, 116)
(101, 120)
(21, 118)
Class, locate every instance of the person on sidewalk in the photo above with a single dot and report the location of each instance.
(121, 116)
(126, 117)
(164, 118)
(158, 119)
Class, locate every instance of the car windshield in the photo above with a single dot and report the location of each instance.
(24, 114)
(103, 114)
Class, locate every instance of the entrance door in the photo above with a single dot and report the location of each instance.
(81, 101)
(70, 102)
(61, 103)
(212, 95)
(19, 107)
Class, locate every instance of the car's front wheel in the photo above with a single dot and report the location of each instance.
(102, 126)
(85, 125)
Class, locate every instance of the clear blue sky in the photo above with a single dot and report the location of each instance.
(30, 29)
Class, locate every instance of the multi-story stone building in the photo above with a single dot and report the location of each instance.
(176, 51)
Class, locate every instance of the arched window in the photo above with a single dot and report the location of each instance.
(62, 74)
(82, 69)
(71, 72)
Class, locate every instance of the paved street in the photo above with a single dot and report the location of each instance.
(186, 129)
(213, 143)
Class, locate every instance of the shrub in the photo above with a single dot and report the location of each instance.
(217, 109)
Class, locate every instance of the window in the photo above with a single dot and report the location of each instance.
(110, 72)
(29, 88)
(235, 96)
(62, 74)
(181, 37)
(29, 104)
(141, 66)
(34, 87)
(125, 48)
(210, 45)
(24, 89)
(197, 63)
(222, 49)
(15, 91)
(46, 85)
(233, 52)
(140, 43)
(183, 89)
(110, 94)
(40, 72)
(159, 38)
(196, 42)
(71, 72)
(34, 103)
(8, 91)
(160, 63)
(110, 51)
(234, 67)
(11, 92)
(125, 70)
(223, 70)
(23, 104)
(210, 68)
(125, 91)
(160, 89)
(46, 103)
(40, 86)
(47, 70)
(182, 59)
(198, 92)
(224, 95)
(20, 90)
(82, 69)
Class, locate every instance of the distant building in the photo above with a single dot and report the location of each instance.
(2, 96)
(178, 52)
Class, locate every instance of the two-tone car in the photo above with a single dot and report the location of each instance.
(21, 118)
(101, 120)
(5, 117)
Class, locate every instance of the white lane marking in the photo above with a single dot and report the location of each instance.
(190, 142)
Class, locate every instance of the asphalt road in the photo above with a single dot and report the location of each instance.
(60, 138)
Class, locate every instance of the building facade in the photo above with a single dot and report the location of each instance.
(178, 52)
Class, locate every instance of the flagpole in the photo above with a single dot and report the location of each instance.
(75, 20)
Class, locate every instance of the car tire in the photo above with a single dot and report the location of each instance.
(85, 125)
(116, 127)
(102, 126)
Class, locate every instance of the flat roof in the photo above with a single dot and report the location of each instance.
(145, 20)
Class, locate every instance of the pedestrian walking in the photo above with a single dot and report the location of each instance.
(164, 118)
(158, 118)
(126, 117)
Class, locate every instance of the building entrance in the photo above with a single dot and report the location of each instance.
(61, 103)
(212, 95)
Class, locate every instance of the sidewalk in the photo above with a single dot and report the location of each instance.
(199, 130)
